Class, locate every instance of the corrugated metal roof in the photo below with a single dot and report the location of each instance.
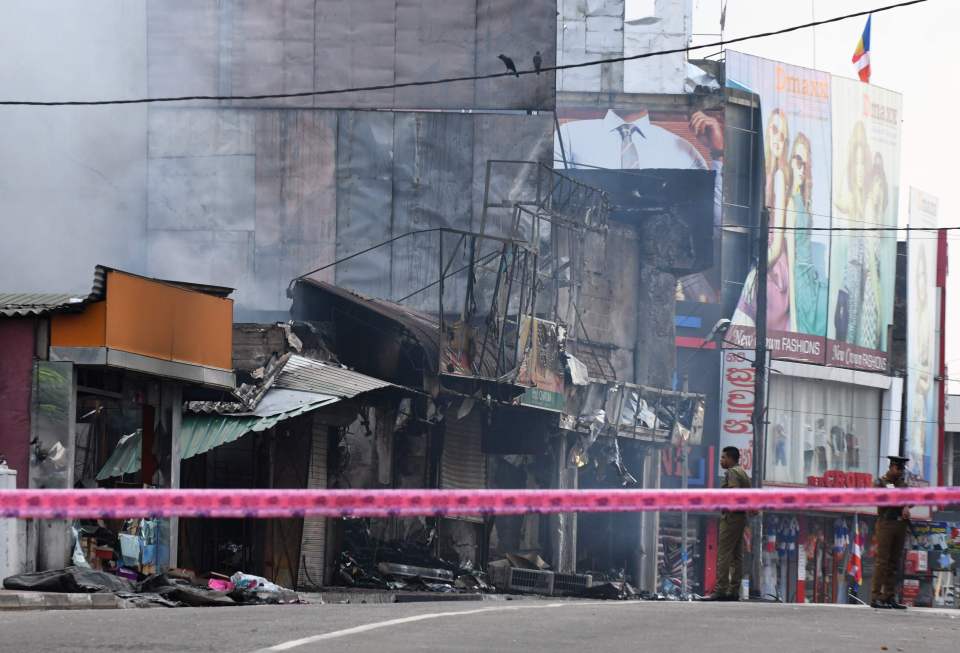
(19, 304)
(307, 374)
(37, 303)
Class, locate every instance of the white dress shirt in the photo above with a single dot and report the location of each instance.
(593, 144)
(599, 144)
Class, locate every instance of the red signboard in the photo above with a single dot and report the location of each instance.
(837, 478)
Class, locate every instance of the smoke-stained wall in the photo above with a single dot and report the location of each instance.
(250, 194)
(253, 198)
(246, 47)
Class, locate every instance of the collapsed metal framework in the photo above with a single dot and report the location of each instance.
(520, 268)
(547, 217)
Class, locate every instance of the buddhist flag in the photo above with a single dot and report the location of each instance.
(861, 56)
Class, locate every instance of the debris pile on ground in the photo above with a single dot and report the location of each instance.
(406, 565)
(173, 589)
(611, 590)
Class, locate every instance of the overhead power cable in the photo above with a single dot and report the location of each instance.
(754, 227)
(450, 80)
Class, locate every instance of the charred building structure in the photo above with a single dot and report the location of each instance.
(474, 303)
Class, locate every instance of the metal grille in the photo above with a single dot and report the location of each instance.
(523, 581)
(564, 584)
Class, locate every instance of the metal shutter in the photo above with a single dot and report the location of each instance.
(314, 537)
(463, 466)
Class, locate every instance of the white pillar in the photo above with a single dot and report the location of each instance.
(10, 554)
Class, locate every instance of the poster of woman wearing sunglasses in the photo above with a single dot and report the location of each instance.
(795, 109)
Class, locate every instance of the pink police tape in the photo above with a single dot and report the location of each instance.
(76, 504)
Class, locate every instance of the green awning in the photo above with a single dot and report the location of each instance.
(201, 433)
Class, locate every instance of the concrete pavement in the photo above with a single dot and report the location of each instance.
(526, 626)
(17, 600)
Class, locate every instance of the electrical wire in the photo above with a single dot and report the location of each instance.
(756, 227)
(877, 225)
(464, 78)
(814, 413)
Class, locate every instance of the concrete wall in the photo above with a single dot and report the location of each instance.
(608, 298)
(596, 29)
(251, 194)
(243, 47)
(241, 198)
(627, 302)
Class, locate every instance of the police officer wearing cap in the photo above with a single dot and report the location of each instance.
(892, 523)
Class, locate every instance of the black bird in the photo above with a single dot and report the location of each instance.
(537, 61)
(508, 62)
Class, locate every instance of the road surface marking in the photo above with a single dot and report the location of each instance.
(355, 630)
(294, 643)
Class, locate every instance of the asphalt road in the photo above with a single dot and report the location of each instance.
(527, 626)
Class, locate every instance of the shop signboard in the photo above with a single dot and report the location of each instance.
(837, 478)
(737, 399)
(935, 538)
(542, 369)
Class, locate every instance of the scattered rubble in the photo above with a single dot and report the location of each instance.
(173, 589)
(401, 565)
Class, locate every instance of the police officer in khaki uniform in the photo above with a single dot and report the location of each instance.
(892, 523)
(732, 525)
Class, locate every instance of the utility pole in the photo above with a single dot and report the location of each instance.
(684, 472)
(759, 416)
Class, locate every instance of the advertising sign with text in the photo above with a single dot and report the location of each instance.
(921, 445)
(866, 173)
(795, 109)
(737, 399)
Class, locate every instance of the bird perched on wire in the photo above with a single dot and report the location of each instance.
(537, 61)
(508, 62)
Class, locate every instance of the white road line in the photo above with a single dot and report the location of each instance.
(294, 643)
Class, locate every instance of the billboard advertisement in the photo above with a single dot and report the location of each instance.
(608, 147)
(795, 108)
(737, 399)
(866, 170)
(922, 323)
